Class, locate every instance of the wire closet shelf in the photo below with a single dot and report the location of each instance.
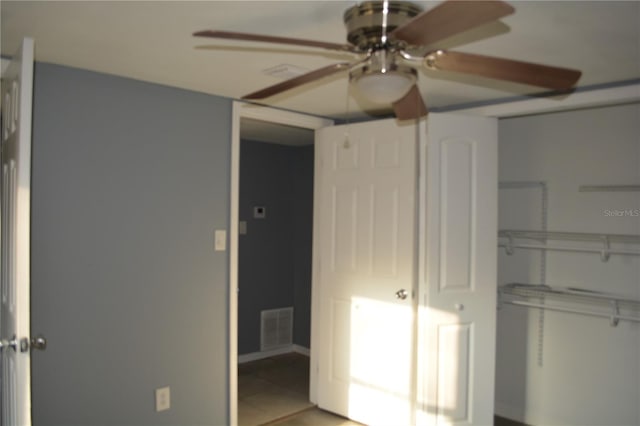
(603, 244)
(571, 300)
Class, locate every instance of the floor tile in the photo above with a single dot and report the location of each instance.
(278, 403)
(272, 388)
(254, 385)
(314, 417)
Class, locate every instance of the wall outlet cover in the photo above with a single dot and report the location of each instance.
(220, 240)
(163, 398)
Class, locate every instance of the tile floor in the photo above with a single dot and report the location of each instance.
(275, 391)
(314, 417)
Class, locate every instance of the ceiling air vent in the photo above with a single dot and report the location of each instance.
(285, 71)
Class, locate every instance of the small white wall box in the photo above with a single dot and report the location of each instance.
(259, 212)
(163, 398)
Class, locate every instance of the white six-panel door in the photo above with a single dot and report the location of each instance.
(17, 85)
(366, 207)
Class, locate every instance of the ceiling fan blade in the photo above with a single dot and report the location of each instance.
(503, 69)
(411, 106)
(298, 81)
(450, 18)
(272, 39)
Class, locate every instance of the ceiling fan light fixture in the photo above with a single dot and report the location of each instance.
(384, 87)
(384, 79)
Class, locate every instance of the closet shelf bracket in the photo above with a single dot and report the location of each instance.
(615, 315)
(606, 249)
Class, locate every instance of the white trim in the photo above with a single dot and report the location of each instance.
(587, 99)
(315, 280)
(233, 264)
(254, 356)
(301, 350)
(509, 412)
(245, 110)
(279, 116)
(525, 415)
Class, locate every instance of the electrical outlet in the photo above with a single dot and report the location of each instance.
(163, 398)
(220, 240)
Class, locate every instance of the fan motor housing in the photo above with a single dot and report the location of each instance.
(366, 21)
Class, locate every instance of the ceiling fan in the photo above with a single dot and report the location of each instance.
(384, 37)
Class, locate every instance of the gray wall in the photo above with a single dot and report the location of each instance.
(129, 181)
(275, 254)
(303, 243)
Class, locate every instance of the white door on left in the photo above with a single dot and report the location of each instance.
(17, 89)
(366, 216)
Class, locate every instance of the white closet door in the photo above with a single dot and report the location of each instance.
(366, 208)
(458, 271)
(17, 84)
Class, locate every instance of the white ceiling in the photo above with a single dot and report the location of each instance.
(152, 41)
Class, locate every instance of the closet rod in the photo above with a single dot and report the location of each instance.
(571, 310)
(569, 236)
(609, 188)
(541, 290)
(562, 248)
(605, 240)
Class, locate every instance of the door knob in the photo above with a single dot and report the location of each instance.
(402, 294)
(39, 343)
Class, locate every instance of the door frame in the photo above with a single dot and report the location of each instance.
(246, 110)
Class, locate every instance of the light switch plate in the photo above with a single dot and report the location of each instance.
(163, 398)
(242, 227)
(220, 240)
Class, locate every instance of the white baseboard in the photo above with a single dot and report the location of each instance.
(528, 416)
(509, 412)
(254, 356)
(301, 350)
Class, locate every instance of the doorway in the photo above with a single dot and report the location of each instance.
(274, 272)
(246, 119)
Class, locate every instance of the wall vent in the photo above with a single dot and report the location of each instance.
(276, 328)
